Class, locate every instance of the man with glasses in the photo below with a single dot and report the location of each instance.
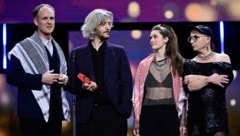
(206, 78)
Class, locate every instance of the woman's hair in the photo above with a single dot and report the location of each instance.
(172, 50)
(37, 8)
(93, 19)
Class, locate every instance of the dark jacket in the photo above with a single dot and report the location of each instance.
(27, 106)
(117, 80)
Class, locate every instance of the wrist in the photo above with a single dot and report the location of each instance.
(208, 79)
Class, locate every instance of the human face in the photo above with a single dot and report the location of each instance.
(199, 41)
(157, 41)
(103, 30)
(45, 21)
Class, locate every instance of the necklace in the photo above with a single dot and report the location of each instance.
(161, 65)
(205, 57)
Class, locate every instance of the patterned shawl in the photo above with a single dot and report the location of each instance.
(34, 60)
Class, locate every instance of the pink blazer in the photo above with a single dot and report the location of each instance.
(138, 89)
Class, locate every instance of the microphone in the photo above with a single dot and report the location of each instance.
(73, 57)
(74, 95)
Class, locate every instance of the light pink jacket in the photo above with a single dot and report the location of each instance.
(138, 89)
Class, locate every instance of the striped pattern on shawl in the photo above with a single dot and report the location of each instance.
(34, 60)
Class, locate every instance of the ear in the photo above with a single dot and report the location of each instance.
(209, 38)
(35, 21)
(165, 39)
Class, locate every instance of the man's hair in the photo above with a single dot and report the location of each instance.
(93, 19)
(37, 8)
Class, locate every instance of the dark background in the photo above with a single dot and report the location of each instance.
(16, 33)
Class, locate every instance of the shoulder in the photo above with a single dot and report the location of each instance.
(221, 57)
(115, 46)
(147, 59)
(24, 41)
(23, 44)
(188, 61)
(117, 49)
(80, 47)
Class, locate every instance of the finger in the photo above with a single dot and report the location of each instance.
(226, 79)
(61, 82)
(84, 85)
(135, 132)
(221, 85)
(225, 76)
(224, 82)
(56, 75)
(55, 80)
(88, 88)
(51, 71)
(62, 79)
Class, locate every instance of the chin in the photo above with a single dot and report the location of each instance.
(154, 50)
(49, 32)
(195, 50)
(105, 38)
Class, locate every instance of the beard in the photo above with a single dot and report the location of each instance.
(102, 35)
(103, 38)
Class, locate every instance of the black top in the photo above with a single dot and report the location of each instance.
(207, 112)
(98, 57)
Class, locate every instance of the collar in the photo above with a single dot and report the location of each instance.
(45, 41)
(101, 48)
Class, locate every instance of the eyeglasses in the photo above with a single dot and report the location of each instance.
(194, 38)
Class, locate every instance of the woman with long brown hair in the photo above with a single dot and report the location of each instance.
(158, 94)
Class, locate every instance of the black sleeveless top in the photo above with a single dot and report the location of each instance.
(207, 112)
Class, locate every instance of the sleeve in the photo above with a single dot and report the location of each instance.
(137, 97)
(186, 71)
(16, 76)
(126, 78)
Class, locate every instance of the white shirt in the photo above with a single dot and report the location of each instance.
(48, 44)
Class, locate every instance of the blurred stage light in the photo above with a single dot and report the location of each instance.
(136, 34)
(213, 2)
(221, 28)
(168, 14)
(134, 9)
(200, 12)
(171, 10)
(233, 102)
(235, 74)
(4, 39)
(232, 7)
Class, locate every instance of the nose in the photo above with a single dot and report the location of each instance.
(108, 26)
(151, 41)
(190, 40)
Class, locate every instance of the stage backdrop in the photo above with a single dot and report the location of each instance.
(135, 39)
(20, 11)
